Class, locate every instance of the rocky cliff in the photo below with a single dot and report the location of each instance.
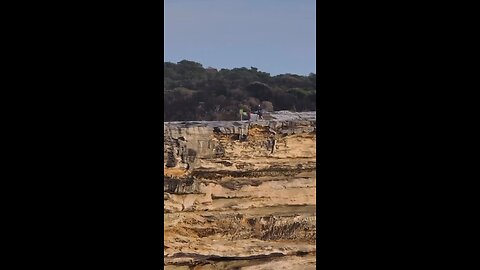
(240, 194)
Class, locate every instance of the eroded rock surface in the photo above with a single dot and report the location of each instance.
(240, 194)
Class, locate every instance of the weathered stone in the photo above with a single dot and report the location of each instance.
(240, 190)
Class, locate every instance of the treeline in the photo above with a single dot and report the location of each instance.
(192, 92)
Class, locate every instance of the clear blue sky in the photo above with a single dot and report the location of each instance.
(276, 36)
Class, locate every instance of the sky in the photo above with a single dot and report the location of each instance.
(275, 36)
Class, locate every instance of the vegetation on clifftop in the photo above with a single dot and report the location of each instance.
(192, 92)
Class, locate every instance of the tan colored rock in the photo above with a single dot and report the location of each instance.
(240, 190)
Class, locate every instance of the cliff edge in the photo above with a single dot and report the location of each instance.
(240, 193)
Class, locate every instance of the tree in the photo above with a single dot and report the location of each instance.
(267, 105)
(192, 92)
(259, 90)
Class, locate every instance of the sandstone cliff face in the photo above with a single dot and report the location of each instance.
(239, 194)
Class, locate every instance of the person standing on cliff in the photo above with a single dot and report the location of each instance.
(260, 114)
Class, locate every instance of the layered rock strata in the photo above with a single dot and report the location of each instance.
(240, 194)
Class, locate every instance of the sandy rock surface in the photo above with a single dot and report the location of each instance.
(240, 194)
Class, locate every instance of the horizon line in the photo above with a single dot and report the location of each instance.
(218, 69)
